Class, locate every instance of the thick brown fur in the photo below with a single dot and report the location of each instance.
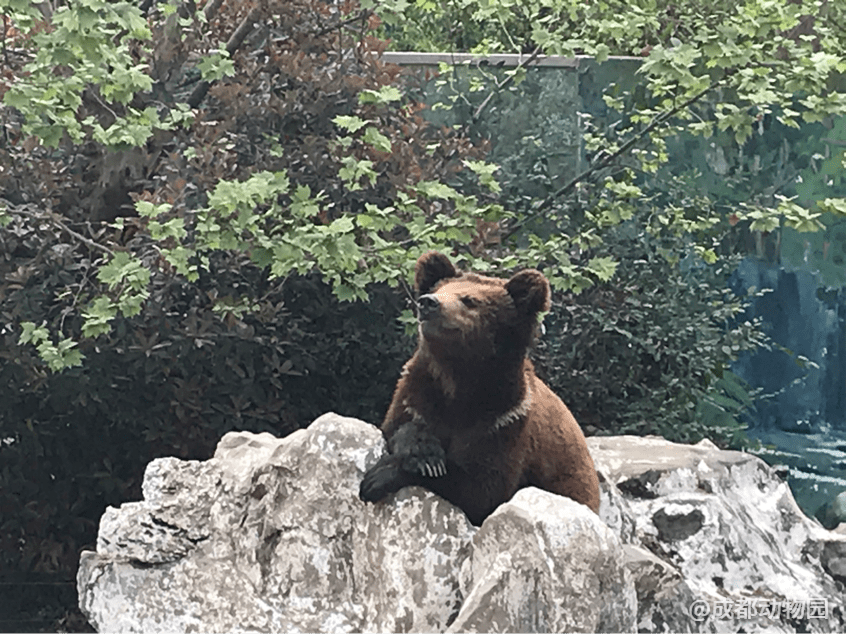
(469, 419)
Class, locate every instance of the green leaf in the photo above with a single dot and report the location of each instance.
(485, 172)
(384, 95)
(835, 206)
(602, 267)
(231, 196)
(261, 257)
(98, 317)
(62, 356)
(799, 218)
(31, 334)
(147, 209)
(113, 272)
(173, 228)
(761, 219)
(179, 258)
(344, 292)
(349, 123)
(180, 115)
(433, 190)
(343, 224)
(216, 66)
(709, 256)
(378, 140)
(129, 303)
(354, 170)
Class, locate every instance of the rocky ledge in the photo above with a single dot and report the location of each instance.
(269, 535)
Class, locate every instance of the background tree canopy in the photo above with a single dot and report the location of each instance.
(195, 200)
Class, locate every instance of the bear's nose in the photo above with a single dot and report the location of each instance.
(427, 305)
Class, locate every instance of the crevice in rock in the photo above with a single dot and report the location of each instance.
(641, 486)
(677, 527)
(180, 532)
(142, 565)
(264, 554)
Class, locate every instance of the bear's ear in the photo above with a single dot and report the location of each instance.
(431, 268)
(530, 291)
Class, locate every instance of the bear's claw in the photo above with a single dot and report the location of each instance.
(427, 460)
(418, 451)
(394, 472)
(420, 466)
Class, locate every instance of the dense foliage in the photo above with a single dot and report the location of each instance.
(172, 234)
(729, 143)
(648, 353)
(708, 69)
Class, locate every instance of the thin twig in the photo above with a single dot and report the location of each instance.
(52, 217)
(410, 294)
(76, 295)
(5, 30)
(79, 236)
(362, 15)
(499, 87)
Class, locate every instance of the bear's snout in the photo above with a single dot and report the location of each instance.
(427, 306)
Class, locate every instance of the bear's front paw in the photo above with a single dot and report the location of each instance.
(428, 459)
(381, 479)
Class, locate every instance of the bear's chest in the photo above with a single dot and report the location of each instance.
(476, 445)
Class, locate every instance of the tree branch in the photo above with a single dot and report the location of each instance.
(54, 218)
(235, 41)
(362, 15)
(499, 87)
(606, 161)
(211, 9)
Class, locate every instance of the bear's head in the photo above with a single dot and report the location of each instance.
(473, 316)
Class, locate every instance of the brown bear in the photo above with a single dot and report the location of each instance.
(469, 419)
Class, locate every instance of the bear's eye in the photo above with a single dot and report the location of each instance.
(470, 302)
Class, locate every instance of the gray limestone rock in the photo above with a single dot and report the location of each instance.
(749, 559)
(269, 535)
(543, 563)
